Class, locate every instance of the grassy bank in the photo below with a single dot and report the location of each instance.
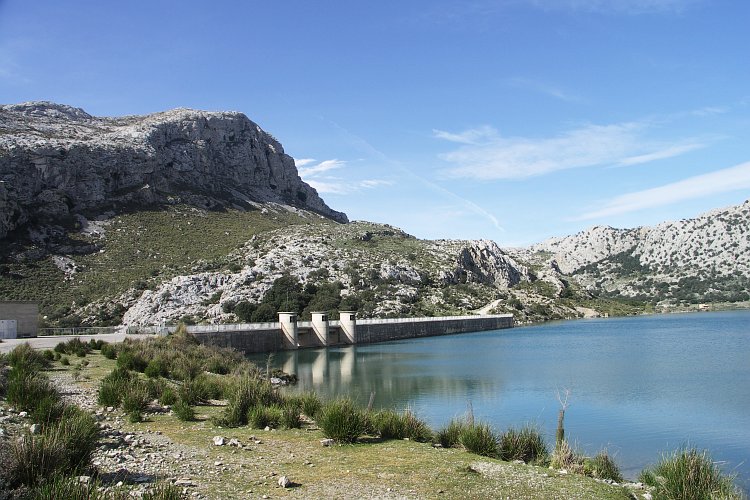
(376, 454)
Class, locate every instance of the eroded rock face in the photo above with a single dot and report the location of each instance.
(482, 261)
(56, 160)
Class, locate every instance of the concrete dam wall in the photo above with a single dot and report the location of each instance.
(289, 333)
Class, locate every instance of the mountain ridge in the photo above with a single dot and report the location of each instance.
(57, 161)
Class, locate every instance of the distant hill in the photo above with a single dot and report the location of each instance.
(705, 259)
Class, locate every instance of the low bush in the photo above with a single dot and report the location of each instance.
(450, 435)
(23, 356)
(564, 457)
(602, 466)
(689, 474)
(156, 368)
(389, 424)
(183, 411)
(168, 396)
(26, 389)
(135, 400)
(245, 392)
(260, 417)
(63, 447)
(49, 355)
(113, 387)
(526, 444)
(131, 361)
(480, 439)
(64, 361)
(290, 416)
(109, 351)
(74, 346)
(342, 420)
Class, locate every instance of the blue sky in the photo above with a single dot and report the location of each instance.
(513, 120)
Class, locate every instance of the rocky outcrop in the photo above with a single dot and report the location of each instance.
(378, 261)
(706, 258)
(717, 240)
(57, 161)
(484, 262)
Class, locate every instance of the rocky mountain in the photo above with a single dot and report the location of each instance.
(703, 259)
(58, 162)
(380, 268)
(201, 217)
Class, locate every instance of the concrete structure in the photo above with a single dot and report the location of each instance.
(348, 324)
(321, 327)
(289, 333)
(289, 329)
(19, 319)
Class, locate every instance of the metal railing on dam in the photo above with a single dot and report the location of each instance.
(289, 333)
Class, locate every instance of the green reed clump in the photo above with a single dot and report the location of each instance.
(290, 415)
(526, 444)
(24, 357)
(155, 368)
(450, 435)
(689, 474)
(113, 387)
(602, 466)
(308, 402)
(342, 420)
(260, 417)
(131, 360)
(74, 347)
(109, 351)
(63, 447)
(26, 389)
(135, 400)
(244, 393)
(183, 411)
(164, 490)
(168, 396)
(65, 487)
(389, 424)
(481, 439)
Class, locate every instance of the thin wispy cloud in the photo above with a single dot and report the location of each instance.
(542, 88)
(323, 166)
(474, 135)
(471, 136)
(301, 162)
(318, 176)
(720, 181)
(499, 157)
(631, 7)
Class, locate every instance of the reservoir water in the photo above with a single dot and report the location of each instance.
(639, 386)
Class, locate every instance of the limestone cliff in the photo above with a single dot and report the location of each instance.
(57, 161)
(706, 258)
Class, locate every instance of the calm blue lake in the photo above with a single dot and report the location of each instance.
(639, 386)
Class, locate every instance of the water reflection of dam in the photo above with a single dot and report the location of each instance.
(290, 334)
(357, 371)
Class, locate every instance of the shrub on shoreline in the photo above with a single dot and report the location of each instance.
(342, 421)
(480, 439)
(526, 444)
(689, 474)
(602, 466)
